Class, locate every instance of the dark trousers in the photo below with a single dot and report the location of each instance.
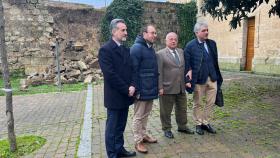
(115, 126)
(167, 102)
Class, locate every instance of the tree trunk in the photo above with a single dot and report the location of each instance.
(7, 89)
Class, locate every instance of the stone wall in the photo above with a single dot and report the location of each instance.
(29, 29)
(163, 16)
(32, 29)
(267, 41)
(179, 1)
(78, 24)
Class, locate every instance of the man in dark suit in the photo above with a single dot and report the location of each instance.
(115, 63)
(202, 58)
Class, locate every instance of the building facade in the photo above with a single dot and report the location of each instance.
(255, 46)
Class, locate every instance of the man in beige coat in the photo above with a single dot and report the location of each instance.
(171, 66)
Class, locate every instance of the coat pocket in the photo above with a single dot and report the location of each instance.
(147, 81)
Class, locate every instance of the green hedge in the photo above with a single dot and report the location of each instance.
(129, 10)
(187, 18)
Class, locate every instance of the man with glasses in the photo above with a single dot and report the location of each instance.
(145, 81)
(115, 63)
(171, 66)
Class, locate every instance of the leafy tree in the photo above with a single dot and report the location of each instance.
(129, 10)
(238, 9)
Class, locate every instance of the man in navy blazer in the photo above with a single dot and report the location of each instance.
(201, 58)
(115, 63)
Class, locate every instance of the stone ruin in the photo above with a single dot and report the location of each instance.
(76, 65)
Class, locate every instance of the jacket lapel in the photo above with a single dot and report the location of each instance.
(171, 57)
(119, 50)
(200, 47)
(181, 56)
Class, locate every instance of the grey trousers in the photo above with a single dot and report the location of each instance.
(167, 102)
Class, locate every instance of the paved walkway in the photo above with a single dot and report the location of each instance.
(230, 142)
(58, 117)
(54, 116)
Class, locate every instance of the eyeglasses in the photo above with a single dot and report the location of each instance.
(154, 33)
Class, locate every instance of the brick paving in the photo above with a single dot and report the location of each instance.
(54, 116)
(225, 144)
(58, 117)
(182, 146)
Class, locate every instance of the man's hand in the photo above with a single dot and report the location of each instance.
(188, 85)
(131, 91)
(189, 74)
(161, 91)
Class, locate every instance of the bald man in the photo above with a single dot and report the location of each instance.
(171, 66)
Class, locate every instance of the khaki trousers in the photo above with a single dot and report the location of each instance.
(167, 102)
(204, 93)
(142, 110)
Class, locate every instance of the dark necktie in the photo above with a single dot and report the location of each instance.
(176, 57)
(205, 50)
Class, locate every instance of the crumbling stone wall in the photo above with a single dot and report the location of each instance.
(32, 27)
(29, 29)
(76, 25)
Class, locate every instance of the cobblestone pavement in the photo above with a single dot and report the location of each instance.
(249, 129)
(54, 116)
(254, 135)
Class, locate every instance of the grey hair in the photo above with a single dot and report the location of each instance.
(199, 25)
(170, 33)
(114, 22)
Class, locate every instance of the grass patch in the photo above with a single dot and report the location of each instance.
(235, 123)
(244, 99)
(220, 114)
(25, 146)
(15, 82)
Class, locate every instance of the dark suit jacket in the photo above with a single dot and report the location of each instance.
(116, 66)
(193, 57)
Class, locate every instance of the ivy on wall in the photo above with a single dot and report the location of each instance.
(129, 10)
(186, 14)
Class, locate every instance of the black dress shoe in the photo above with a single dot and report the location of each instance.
(199, 130)
(126, 153)
(187, 131)
(168, 134)
(209, 128)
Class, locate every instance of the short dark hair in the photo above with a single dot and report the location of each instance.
(145, 28)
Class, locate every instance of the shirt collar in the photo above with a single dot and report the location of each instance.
(118, 43)
(171, 50)
(149, 45)
(200, 41)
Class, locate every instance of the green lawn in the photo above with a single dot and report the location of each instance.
(40, 89)
(25, 146)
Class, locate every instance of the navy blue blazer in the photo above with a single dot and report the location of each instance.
(116, 66)
(193, 54)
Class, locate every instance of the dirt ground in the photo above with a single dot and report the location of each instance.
(250, 120)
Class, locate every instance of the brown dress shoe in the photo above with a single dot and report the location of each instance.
(148, 139)
(140, 147)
